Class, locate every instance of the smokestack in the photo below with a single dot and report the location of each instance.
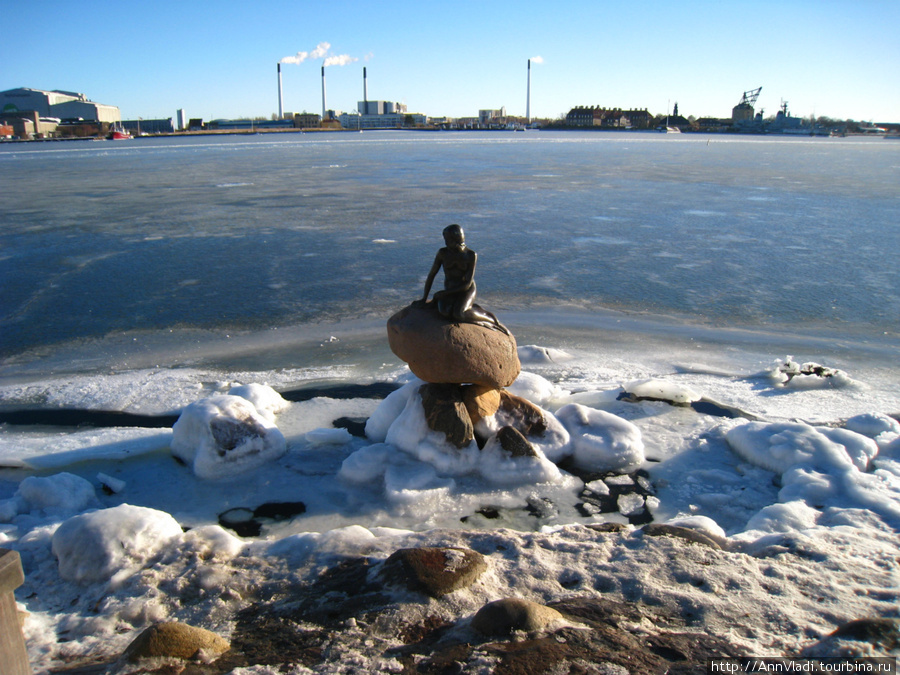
(528, 96)
(365, 110)
(323, 93)
(280, 100)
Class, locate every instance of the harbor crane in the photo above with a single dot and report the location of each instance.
(749, 97)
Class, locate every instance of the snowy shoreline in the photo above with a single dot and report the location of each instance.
(808, 511)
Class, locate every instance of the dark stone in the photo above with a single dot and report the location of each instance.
(446, 412)
(279, 510)
(433, 571)
(541, 507)
(512, 440)
(229, 432)
(240, 521)
(355, 425)
(246, 523)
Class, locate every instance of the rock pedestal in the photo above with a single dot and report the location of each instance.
(466, 366)
(442, 351)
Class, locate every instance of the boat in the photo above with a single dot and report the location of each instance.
(118, 133)
(668, 128)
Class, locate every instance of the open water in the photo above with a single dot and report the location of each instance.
(164, 236)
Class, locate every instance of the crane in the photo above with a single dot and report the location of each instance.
(750, 97)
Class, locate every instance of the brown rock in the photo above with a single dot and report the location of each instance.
(446, 412)
(442, 351)
(506, 616)
(434, 571)
(178, 640)
(521, 414)
(481, 401)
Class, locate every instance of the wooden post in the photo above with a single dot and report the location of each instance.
(13, 656)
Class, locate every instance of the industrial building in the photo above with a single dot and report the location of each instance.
(59, 104)
(380, 115)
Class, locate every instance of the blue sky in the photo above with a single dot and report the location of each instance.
(218, 59)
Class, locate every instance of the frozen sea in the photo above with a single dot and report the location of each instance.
(145, 276)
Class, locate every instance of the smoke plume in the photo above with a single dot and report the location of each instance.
(321, 52)
(341, 60)
(537, 59)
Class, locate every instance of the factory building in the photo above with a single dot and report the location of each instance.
(381, 115)
(59, 104)
(381, 108)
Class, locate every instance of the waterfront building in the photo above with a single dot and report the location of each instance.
(306, 120)
(139, 127)
(610, 118)
(381, 108)
(381, 115)
(59, 104)
(488, 118)
(28, 124)
(395, 120)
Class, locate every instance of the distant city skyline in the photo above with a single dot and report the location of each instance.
(824, 58)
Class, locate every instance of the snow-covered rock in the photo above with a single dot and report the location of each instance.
(60, 494)
(662, 390)
(222, 436)
(266, 400)
(780, 446)
(536, 389)
(883, 429)
(601, 441)
(98, 545)
(536, 355)
(389, 410)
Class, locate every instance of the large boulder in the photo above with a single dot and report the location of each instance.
(442, 351)
(176, 640)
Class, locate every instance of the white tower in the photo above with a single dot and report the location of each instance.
(528, 96)
(280, 98)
